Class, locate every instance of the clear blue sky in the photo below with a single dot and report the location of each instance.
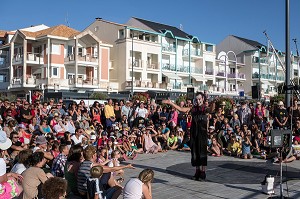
(210, 20)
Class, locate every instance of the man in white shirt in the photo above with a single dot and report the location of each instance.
(141, 111)
(80, 136)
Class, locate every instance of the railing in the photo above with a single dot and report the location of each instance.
(17, 80)
(168, 48)
(184, 69)
(221, 74)
(17, 58)
(35, 57)
(152, 65)
(194, 52)
(196, 70)
(208, 72)
(137, 63)
(85, 58)
(221, 89)
(203, 87)
(177, 86)
(262, 60)
(4, 63)
(268, 76)
(166, 66)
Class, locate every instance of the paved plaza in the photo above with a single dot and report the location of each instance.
(227, 177)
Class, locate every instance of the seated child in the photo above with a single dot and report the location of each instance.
(246, 148)
(96, 190)
(215, 148)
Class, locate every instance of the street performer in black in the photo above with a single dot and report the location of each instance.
(198, 131)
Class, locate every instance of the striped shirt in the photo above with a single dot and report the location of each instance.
(83, 175)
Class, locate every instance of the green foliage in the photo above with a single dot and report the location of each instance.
(141, 97)
(180, 99)
(99, 96)
(228, 101)
(277, 98)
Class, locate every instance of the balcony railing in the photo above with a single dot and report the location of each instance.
(268, 76)
(152, 65)
(137, 63)
(208, 72)
(203, 87)
(194, 52)
(4, 63)
(238, 75)
(166, 66)
(35, 57)
(168, 48)
(221, 74)
(262, 60)
(16, 80)
(17, 58)
(176, 86)
(184, 69)
(83, 58)
(196, 70)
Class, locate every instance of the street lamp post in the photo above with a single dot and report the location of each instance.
(132, 62)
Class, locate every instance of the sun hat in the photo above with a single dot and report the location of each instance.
(223, 103)
(5, 142)
(280, 103)
(93, 137)
(40, 140)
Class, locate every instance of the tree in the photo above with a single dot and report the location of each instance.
(99, 96)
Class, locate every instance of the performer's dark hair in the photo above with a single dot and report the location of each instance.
(202, 94)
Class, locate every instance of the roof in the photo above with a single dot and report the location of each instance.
(255, 44)
(2, 33)
(60, 31)
(158, 27)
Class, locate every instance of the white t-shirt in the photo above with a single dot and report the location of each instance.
(141, 112)
(18, 168)
(77, 141)
(133, 189)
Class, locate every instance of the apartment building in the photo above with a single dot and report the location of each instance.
(160, 57)
(260, 65)
(57, 60)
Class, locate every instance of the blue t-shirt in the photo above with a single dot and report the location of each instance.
(165, 130)
(246, 148)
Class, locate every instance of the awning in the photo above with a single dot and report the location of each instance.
(198, 78)
(171, 75)
(38, 71)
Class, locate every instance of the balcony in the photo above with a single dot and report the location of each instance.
(87, 58)
(209, 72)
(17, 81)
(170, 67)
(203, 87)
(238, 75)
(17, 58)
(86, 82)
(35, 58)
(221, 74)
(270, 77)
(263, 60)
(184, 69)
(143, 84)
(195, 54)
(4, 63)
(168, 48)
(152, 65)
(196, 70)
(176, 86)
(137, 63)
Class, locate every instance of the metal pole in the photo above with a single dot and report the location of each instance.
(259, 74)
(287, 51)
(132, 62)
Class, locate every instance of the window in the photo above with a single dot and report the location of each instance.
(121, 34)
(71, 75)
(55, 49)
(54, 71)
(80, 51)
(209, 48)
(70, 50)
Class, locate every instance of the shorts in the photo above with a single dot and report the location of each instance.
(9, 189)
